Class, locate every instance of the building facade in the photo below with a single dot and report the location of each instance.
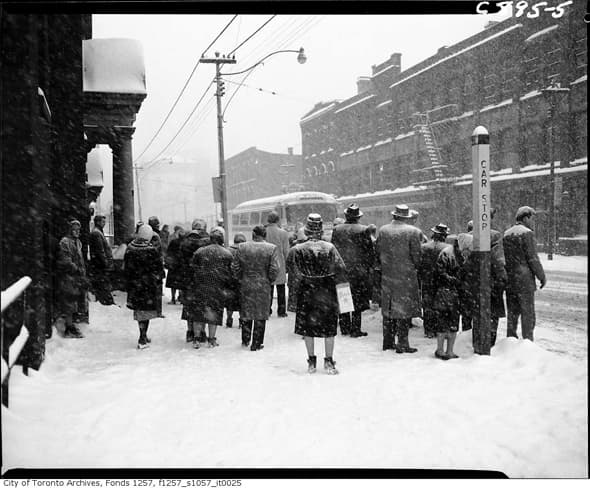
(412, 128)
(255, 174)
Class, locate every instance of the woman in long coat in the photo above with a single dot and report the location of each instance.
(320, 268)
(233, 303)
(143, 274)
(212, 284)
(173, 261)
(446, 298)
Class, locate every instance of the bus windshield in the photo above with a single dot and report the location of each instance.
(300, 211)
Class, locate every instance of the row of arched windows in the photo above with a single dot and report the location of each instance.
(322, 169)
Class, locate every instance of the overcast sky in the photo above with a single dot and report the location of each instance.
(339, 49)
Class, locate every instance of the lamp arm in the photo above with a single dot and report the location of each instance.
(260, 62)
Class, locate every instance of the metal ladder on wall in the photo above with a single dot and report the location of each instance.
(424, 128)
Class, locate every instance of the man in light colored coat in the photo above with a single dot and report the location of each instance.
(256, 266)
(398, 250)
(280, 238)
(522, 267)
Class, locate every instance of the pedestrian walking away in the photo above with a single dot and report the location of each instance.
(143, 271)
(212, 283)
(156, 241)
(233, 303)
(255, 265)
(399, 254)
(195, 239)
(173, 262)
(522, 267)
(427, 275)
(320, 268)
(280, 238)
(354, 244)
(446, 298)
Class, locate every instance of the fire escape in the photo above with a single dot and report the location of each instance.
(433, 173)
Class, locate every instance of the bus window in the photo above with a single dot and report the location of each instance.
(235, 219)
(244, 219)
(264, 217)
(255, 218)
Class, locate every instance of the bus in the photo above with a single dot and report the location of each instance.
(293, 209)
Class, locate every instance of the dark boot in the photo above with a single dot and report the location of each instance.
(344, 321)
(190, 333)
(246, 332)
(258, 335)
(387, 334)
(311, 364)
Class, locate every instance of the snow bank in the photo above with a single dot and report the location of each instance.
(99, 402)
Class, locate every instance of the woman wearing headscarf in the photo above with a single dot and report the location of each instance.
(320, 267)
(143, 272)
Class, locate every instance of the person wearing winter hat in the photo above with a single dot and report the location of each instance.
(319, 267)
(143, 270)
(72, 281)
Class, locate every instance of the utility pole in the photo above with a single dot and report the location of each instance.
(138, 194)
(550, 94)
(218, 61)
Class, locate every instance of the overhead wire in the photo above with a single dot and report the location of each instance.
(184, 88)
(251, 35)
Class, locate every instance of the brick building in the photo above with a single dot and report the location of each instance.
(413, 127)
(255, 174)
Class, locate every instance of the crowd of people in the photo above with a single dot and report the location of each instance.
(397, 268)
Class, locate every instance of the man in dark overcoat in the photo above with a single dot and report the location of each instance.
(195, 239)
(522, 267)
(173, 263)
(255, 265)
(280, 238)
(399, 253)
(427, 275)
(101, 262)
(233, 303)
(354, 244)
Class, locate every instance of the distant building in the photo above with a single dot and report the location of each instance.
(255, 174)
(412, 128)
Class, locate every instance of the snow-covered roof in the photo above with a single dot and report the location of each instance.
(385, 69)
(382, 104)
(113, 66)
(356, 102)
(462, 51)
(541, 33)
(313, 115)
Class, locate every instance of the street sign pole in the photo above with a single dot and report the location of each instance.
(480, 152)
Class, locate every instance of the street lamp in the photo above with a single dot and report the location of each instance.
(218, 61)
(551, 94)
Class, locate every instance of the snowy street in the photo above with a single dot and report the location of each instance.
(99, 402)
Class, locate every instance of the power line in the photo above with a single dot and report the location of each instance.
(184, 88)
(251, 35)
(185, 122)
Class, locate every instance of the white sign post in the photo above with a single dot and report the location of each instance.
(482, 222)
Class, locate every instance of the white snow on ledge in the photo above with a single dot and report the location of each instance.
(531, 94)
(313, 115)
(403, 136)
(501, 104)
(113, 66)
(581, 79)
(541, 33)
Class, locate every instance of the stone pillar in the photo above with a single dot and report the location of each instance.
(123, 210)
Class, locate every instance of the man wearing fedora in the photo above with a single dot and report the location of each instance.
(522, 267)
(430, 252)
(398, 255)
(353, 242)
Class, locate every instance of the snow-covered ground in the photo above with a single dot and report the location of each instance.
(99, 402)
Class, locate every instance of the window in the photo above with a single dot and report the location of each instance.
(235, 219)
(255, 218)
(244, 219)
(264, 216)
